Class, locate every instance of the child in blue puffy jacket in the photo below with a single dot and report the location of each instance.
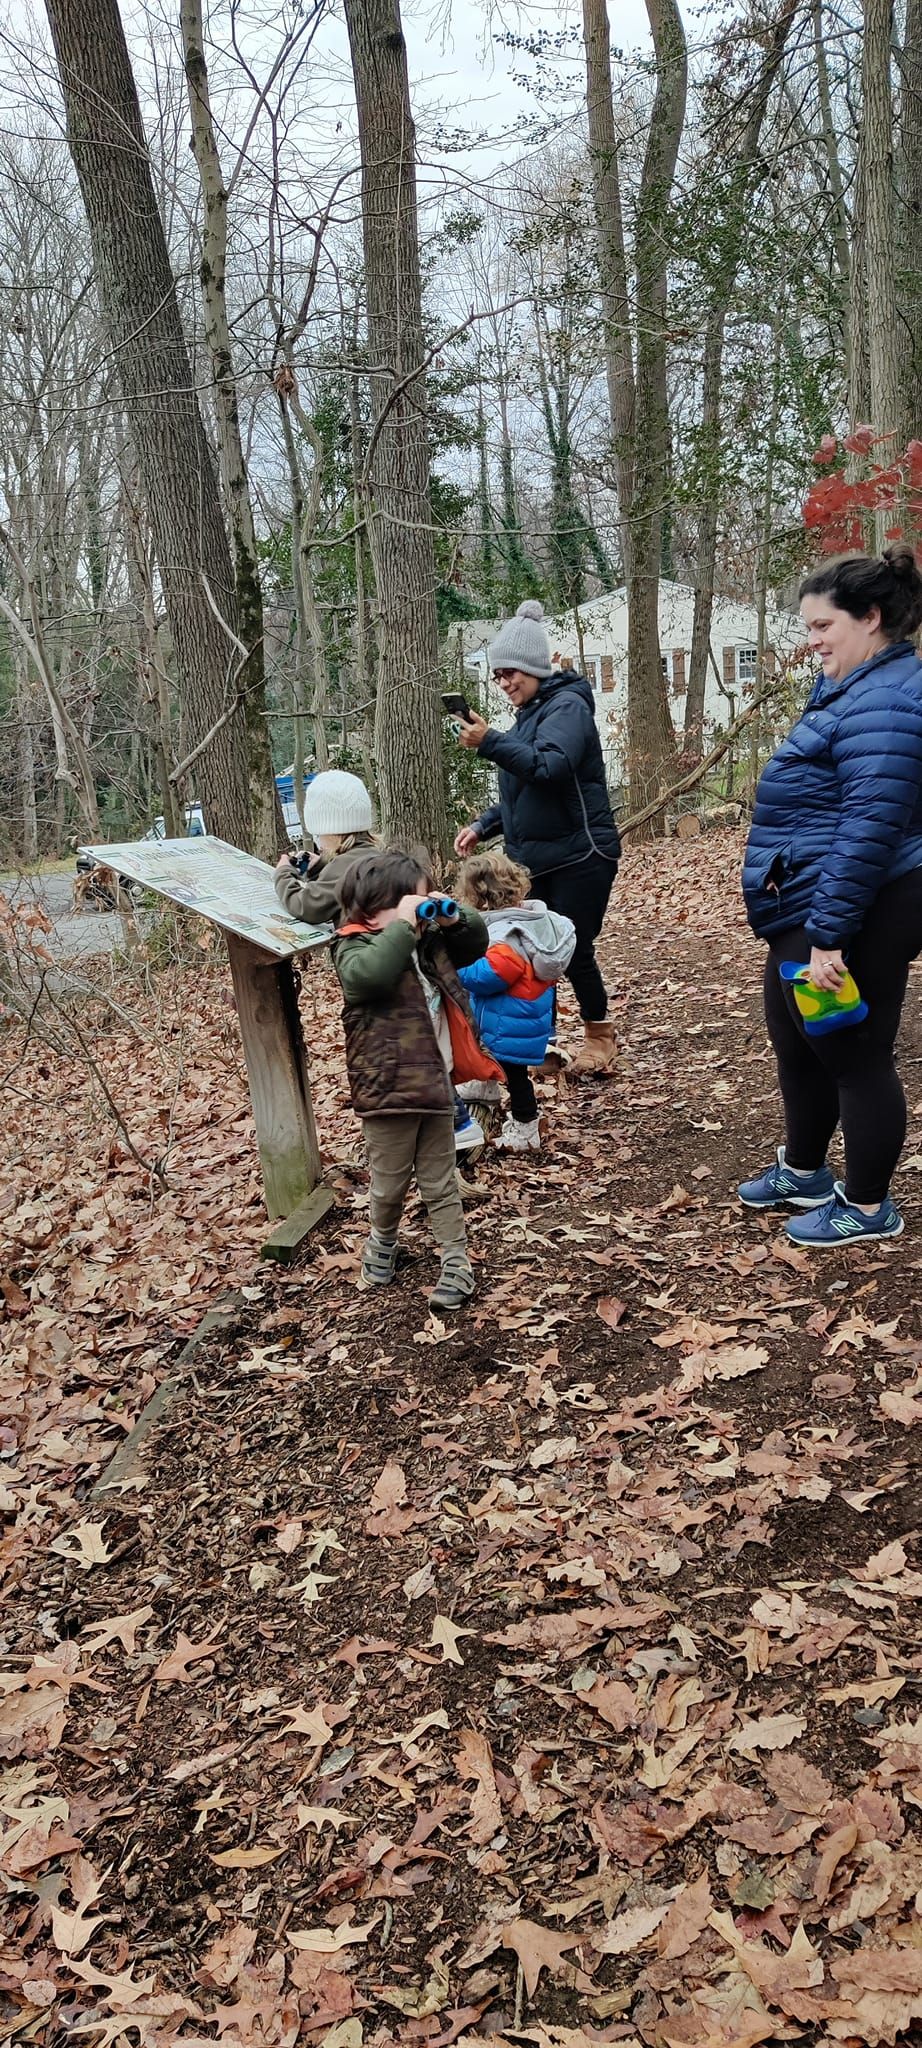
(511, 988)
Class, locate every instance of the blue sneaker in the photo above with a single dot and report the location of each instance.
(779, 1188)
(839, 1222)
(468, 1134)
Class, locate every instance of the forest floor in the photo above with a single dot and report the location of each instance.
(549, 1674)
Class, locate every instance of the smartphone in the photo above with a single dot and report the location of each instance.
(457, 706)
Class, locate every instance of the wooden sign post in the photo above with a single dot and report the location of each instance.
(236, 892)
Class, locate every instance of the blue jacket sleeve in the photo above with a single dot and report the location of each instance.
(556, 753)
(490, 822)
(877, 754)
(482, 980)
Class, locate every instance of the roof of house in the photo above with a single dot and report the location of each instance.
(734, 620)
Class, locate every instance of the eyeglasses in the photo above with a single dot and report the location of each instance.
(504, 675)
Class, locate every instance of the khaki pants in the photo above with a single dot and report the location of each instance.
(398, 1146)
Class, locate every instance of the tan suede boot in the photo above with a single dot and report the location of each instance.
(598, 1053)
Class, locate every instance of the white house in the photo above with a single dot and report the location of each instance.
(603, 627)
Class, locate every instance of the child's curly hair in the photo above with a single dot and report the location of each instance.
(491, 881)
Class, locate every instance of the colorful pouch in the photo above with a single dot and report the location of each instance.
(821, 1009)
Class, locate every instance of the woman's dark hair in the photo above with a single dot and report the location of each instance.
(857, 582)
(378, 882)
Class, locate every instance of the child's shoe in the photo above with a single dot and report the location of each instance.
(479, 1091)
(468, 1134)
(379, 1261)
(516, 1137)
(455, 1284)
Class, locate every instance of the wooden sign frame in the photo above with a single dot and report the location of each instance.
(236, 896)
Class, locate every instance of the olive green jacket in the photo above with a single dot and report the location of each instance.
(392, 1055)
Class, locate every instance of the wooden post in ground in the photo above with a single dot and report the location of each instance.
(273, 1046)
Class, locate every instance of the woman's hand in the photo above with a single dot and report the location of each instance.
(473, 732)
(466, 841)
(827, 968)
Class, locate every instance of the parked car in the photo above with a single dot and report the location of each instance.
(195, 825)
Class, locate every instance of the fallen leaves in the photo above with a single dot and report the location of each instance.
(772, 1731)
(613, 1577)
(474, 1762)
(176, 1667)
(445, 1637)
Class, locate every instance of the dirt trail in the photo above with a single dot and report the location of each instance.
(549, 1673)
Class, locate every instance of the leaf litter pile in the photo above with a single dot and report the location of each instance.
(551, 1674)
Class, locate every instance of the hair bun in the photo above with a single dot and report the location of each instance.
(901, 561)
(531, 609)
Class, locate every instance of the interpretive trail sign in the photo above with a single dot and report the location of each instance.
(233, 889)
(236, 892)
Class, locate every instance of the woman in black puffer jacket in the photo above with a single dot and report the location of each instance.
(553, 812)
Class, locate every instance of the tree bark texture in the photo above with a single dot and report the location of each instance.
(651, 740)
(880, 231)
(407, 718)
(269, 834)
(612, 259)
(735, 217)
(910, 197)
(138, 298)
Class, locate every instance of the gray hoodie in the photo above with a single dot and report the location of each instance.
(542, 936)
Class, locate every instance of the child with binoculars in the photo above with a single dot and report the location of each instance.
(409, 1038)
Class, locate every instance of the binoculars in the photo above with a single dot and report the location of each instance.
(435, 907)
(300, 862)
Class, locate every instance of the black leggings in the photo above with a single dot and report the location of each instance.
(523, 1101)
(581, 893)
(849, 1076)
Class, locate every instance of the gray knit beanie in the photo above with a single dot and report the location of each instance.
(335, 802)
(523, 643)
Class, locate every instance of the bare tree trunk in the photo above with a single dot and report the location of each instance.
(651, 740)
(877, 152)
(840, 224)
(765, 542)
(407, 723)
(721, 297)
(268, 826)
(613, 277)
(26, 751)
(910, 188)
(310, 653)
(138, 298)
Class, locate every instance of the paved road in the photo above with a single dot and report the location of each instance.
(90, 933)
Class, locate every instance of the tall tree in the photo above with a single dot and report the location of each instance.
(880, 228)
(407, 722)
(612, 258)
(732, 206)
(138, 298)
(268, 825)
(651, 741)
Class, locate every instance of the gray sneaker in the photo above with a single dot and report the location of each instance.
(456, 1282)
(379, 1261)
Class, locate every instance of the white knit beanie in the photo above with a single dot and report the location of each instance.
(523, 643)
(335, 802)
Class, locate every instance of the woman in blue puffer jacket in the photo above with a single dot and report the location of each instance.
(832, 877)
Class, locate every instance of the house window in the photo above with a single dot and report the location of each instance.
(747, 664)
(608, 672)
(591, 674)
